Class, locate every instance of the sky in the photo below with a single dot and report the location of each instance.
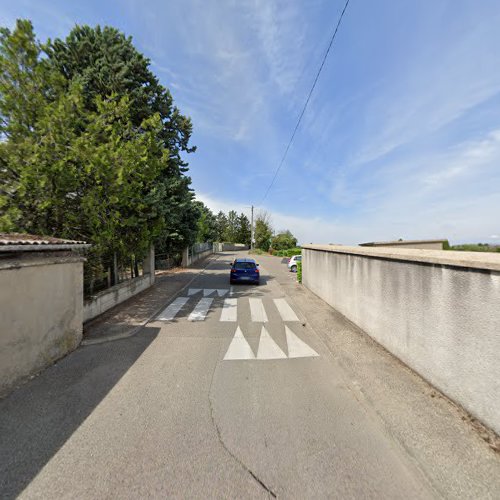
(401, 138)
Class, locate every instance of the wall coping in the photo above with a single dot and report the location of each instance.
(30, 260)
(474, 260)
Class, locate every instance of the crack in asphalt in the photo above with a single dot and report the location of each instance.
(221, 440)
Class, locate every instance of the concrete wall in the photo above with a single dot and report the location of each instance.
(229, 247)
(115, 295)
(41, 303)
(438, 311)
(191, 257)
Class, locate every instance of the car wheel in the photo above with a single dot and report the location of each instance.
(293, 269)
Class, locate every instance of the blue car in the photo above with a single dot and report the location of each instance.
(244, 271)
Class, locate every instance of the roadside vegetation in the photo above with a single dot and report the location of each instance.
(474, 247)
(282, 243)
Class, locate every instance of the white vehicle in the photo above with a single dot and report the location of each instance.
(292, 263)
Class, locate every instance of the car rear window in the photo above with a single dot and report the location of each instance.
(244, 265)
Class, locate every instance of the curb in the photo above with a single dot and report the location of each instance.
(120, 336)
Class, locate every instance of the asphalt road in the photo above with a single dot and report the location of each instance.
(229, 392)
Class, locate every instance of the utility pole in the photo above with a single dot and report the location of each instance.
(252, 232)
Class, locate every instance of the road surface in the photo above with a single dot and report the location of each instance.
(228, 392)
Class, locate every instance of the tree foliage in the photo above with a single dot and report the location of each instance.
(91, 144)
(263, 231)
(232, 227)
(207, 224)
(283, 241)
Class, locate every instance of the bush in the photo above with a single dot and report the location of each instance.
(299, 272)
(290, 252)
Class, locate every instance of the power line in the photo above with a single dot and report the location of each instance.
(307, 101)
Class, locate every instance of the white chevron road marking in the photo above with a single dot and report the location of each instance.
(298, 348)
(194, 291)
(239, 348)
(268, 348)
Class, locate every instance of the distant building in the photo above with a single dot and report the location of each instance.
(419, 244)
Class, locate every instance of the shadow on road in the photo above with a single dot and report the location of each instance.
(39, 417)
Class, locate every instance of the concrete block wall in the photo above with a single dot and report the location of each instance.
(437, 311)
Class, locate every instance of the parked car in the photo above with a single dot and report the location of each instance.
(292, 263)
(244, 271)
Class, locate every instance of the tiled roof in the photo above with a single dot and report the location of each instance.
(32, 239)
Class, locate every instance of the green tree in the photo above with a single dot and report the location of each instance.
(283, 241)
(231, 233)
(263, 231)
(244, 231)
(221, 225)
(207, 224)
(105, 62)
(84, 157)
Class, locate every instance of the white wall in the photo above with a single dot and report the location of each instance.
(439, 312)
(41, 302)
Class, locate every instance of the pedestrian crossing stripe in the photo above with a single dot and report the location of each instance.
(201, 310)
(170, 312)
(257, 311)
(229, 310)
(286, 312)
(239, 348)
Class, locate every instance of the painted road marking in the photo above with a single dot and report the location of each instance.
(171, 311)
(208, 291)
(286, 312)
(257, 311)
(268, 348)
(222, 291)
(193, 291)
(298, 348)
(229, 310)
(201, 310)
(239, 348)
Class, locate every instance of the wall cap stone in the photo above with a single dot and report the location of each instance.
(31, 260)
(475, 260)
